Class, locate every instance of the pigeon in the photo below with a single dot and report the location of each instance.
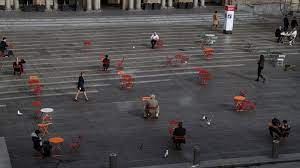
(166, 153)
(19, 113)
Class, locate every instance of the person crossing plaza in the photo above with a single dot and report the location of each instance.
(80, 87)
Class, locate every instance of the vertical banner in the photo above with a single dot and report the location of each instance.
(228, 19)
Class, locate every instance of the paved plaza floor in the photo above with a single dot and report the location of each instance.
(112, 120)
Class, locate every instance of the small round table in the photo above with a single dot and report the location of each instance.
(47, 110)
(210, 35)
(56, 141)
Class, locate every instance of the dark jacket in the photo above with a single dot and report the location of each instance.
(3, 46)
(278, 32)
(261, 63)
(179, 131)
(47, 148)
(37, 141)
(294, 23)
(80, 82)
(286, 22)
(106, 61)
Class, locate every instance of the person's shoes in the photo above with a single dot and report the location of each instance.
(75, 100)
(256, 80)
(264, 80)
(145, 117)
(86, 99)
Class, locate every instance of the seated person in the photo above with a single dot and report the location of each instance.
(154, 38)
(292, 36)
(105, 63)
(179, 136)
(47, 149)
(37, 140)
(18, 66)
(4, 48)
(151, 107)
(278, 34)
(285, 129)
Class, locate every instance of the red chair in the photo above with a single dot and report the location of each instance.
(208, 53)
(159, 44)
(47, 119)
(76, 142)
(245, 105)
(87, 42)
(37, 90)
(101, 57)
(204, 75)
(120, 63)
(127, 81)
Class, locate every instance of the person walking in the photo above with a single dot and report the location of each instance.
(216, 20)
(154, 38)
(294, 23)
(285, 23)
(105, 63)
(80, 87)
(179, 136)
(260, 63)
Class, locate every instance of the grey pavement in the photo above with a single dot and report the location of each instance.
(112, 120)
(4, 157)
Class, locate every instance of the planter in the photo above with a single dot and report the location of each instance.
(40, 8)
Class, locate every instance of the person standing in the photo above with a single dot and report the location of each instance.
(105, 63)
(179, 136)
(80, 87)
(37, 141)
(154, 38)
(278, 34)
(151, 107)
(294, 23)
(285, 23)
(260, 63)
(216, 20)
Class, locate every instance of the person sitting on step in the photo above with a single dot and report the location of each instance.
(151, 107)
(274, 128)
(4, 48)
(18, 66)
(154, 38)
(179, 136)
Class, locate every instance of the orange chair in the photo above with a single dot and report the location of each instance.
(76, 142)
(127, 81)
(37, 104)
(208, 53)
(87, 42)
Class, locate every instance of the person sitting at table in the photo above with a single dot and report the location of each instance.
(47, 149)
(37, 141)
(179, 136)
(285, 129)
(151, 107)
(105, 63)
(292, 36)
(154, 38)
(278, 32)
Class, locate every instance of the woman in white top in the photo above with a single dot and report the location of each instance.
(154, 38)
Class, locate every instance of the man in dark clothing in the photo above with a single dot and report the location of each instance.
(294, 22)
(37, 141)
(106, 63)
(3, 46)
(80, 87)
(47, 149)
(285, 23)
(179, 136)
(260, 63)
(278, 32)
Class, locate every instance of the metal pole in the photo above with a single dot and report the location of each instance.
(275, 149)
(196, 153)
(113, 160)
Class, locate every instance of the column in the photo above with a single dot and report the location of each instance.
(130, 5)
(163, 4)
(203, 3)
(99, 5)
(138, 4)
(170, 3)
(48, 5)
(195, 3)
(16, 4)
(88, 5)
(55, 5)
(7, 5)
(95, 4)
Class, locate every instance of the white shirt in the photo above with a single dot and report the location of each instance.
(294, 34)
(154, 37)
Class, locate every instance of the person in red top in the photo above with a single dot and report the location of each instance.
(106, 63)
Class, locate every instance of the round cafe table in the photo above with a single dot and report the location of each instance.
(210, 35)
(47, 110)
(57, 142)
